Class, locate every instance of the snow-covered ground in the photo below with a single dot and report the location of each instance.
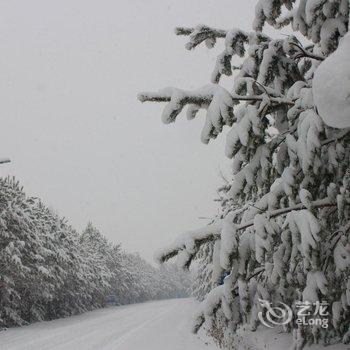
(274, 339)
(160, 325)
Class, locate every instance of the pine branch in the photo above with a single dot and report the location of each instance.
(304, 53)
(4, 160)
(340, 136)
(201, 317)
(199, 34)
(219, 33)
(166, 97)
(183, 30)
(322, 203)
(200, 99)
(215, 235)
(203, 30)
(337, 234)
(203, 33)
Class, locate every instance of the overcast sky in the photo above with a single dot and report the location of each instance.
(77, 136)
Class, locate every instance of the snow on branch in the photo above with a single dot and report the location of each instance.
(322, 203)
(337, 247)
(329, 17)
(342, 134)
(208, 308)
(187, 244)
(166, 96)
(219, 296)
(199, 34)
(305, 53)
(216, 100)
(235, 42)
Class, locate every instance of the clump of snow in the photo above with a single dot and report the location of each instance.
(331, 87)
(228, 240)
(315, 282)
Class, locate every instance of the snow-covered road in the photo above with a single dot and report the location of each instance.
(160, 325)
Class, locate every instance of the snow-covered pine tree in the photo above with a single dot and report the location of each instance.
(18, 248)
(121, 278)
(284, 229)
(61, 288)
(48, 270)
(39, 261)
(97, 252)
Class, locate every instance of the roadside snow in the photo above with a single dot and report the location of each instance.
(273, 339)
(161, 325)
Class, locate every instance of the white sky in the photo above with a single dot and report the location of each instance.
(78, 138)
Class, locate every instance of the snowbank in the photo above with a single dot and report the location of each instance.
(273, 339)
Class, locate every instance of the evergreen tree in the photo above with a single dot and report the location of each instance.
(48, 270)
(97, 252)
(283, 230)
